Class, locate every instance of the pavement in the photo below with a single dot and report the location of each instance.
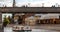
(49, 27)
(42, 28)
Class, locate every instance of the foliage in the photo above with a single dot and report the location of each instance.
(6, 20)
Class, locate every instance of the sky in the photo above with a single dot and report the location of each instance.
(33, 3)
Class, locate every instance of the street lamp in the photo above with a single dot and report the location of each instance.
(14, 3)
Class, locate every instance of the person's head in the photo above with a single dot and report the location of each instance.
(8, 16)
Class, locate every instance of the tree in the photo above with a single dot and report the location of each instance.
(6, 21)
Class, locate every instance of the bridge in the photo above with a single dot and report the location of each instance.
(28, 10)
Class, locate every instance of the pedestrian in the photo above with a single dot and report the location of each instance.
(5, 22)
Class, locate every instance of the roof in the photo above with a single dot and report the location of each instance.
(31, 9)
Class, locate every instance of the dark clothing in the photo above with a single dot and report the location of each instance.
(20, 20)
(5, 24)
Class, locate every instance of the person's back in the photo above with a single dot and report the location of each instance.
(20, 20)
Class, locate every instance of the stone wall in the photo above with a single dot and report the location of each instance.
(31, 9)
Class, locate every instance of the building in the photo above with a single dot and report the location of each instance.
(28, 11)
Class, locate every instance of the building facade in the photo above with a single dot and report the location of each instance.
(24, 12)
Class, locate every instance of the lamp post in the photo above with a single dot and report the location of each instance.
(14, 3)
(42, 4)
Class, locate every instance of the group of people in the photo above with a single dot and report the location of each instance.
(9, 20)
